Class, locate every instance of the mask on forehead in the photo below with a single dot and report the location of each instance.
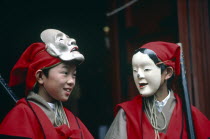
(61, 45)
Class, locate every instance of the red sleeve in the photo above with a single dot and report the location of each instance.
(19, 122)
(201, 124)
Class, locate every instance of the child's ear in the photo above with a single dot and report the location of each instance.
(39, 76)
(169, 72)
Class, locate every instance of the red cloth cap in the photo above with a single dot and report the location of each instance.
(168, 53)
(35, 57)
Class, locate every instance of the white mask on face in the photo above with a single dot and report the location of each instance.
(146, 74)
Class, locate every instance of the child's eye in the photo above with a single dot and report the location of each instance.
(64, 72)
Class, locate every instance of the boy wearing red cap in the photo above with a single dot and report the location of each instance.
(49, 71)
(157, 112)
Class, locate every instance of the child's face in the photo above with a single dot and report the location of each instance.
(146, 74)
(60, 82)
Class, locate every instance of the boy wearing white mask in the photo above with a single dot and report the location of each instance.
(157, 112)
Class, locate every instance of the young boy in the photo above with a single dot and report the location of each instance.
(157, 112)
(49, 71)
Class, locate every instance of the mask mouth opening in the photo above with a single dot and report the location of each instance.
(142, 85)
(74, 49)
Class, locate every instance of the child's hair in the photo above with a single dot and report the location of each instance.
(156, 60)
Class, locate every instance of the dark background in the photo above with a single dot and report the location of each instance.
(21, 24)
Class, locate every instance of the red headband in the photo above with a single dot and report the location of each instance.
(168, 53)
(35, 57)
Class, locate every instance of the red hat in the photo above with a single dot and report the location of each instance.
(57, 47)
(35, 57)
(168, 53)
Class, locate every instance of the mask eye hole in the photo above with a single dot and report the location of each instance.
(147, 70)
(134, 70)
(73, 43)
(59, 37)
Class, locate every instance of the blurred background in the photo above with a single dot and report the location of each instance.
(107, 33)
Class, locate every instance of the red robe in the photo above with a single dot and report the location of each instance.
(139, 127)
(22, 122)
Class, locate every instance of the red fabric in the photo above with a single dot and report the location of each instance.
(35, 57)
(139, 127)
(166, 51)
(22, 122)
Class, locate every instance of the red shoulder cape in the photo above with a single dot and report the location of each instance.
(22, 122)
(138, 125)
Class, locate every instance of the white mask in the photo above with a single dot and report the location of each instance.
(146, 74)
(61, 45)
